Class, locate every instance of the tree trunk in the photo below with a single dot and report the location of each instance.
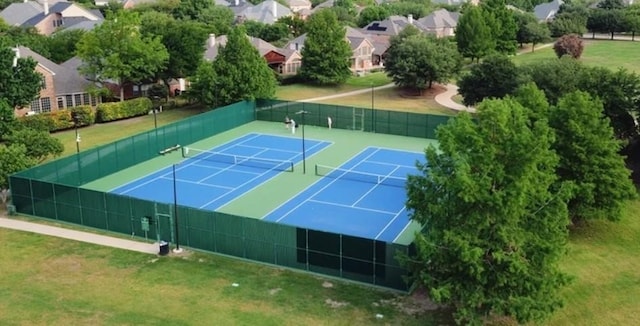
(166, 84)
(121, 93)
(533, 47)
(612, 35)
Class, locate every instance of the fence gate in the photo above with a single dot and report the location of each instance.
(358, 119)
(164, 222)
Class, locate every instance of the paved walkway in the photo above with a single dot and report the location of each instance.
(139, 246)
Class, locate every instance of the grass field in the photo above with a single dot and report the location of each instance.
(394, 99)
(51, 281)
(103, 133)
(611, 54)
(301, 91)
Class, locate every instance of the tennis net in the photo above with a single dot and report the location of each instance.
(257, 162)
(337, 173)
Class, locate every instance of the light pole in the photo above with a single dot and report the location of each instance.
(373, 112)
(304, 152)
(175, 210)
(75, 117)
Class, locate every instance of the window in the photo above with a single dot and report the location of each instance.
(77, 99)
(44, 83)
(35, 105)
(46, 104)
(85, 99)
(69, 103)
(93, 101)
(60, 103)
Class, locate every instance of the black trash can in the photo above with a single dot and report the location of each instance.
(164, 248)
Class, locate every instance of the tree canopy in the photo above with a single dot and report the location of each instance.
(473, 35)
(496, 76)
(590, 159)
(21, 84)
(418, 61)
(117, 50)
(238, 73)
(326, 52)
(493, 216)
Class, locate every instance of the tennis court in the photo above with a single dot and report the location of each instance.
(365, 197)
(209, 179)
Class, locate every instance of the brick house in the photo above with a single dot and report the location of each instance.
(48, 16)
(63, 86)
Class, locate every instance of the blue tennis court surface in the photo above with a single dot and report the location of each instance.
(365, 197)
(211, 179)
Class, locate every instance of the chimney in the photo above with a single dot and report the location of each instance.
(275, 9)
(411, 19)
(237, 3)
(46, 7)
(211, 42)
(16, 56)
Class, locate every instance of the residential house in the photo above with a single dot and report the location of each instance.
(380, 32)
(47, 16)
(361, 46)
(441, 22)
(63, 85)
(455, 2)
(267, 12)
(547, 11)
(282, 61)
(299, 5)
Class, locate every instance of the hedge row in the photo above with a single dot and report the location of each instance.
(63, 119)
(121, 110)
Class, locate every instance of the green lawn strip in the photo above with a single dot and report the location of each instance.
(47, 280)
(393, 99)
(611, 54)
(603, 258)
(304, 91)
(103, 133)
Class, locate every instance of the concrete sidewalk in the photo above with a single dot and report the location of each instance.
(148, 248)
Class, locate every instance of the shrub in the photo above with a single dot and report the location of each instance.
(570, 44)
(59, 120)
(121, 110)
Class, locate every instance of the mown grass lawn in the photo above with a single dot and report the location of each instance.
(601, 53)
(53, 281)
(304, 91)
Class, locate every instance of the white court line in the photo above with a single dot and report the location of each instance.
(389, 224)
(230, 167)
(375, 185)
(403, 229)
(391, 164)
(306, 188)
(183, 159)
(323, 188)
(217, 168)
(198, 183)
(350, 206)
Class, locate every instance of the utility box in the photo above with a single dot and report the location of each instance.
(145, 223)
(164, 248)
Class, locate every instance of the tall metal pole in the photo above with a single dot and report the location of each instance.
(304, 152)
(77, 139)
(373, 112)
(175, 208)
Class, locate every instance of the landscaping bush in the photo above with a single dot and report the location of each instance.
(121, 110)
(59, 120)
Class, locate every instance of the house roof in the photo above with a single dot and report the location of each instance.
(298, 3)
(17, 14)
(261, 45)
(439, 19)
(85, 25)
(66, 80)
(264, 12)
(547, 11)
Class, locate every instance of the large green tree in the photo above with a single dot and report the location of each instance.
(494, 223)
(496, 76)
(117, 50)
(473, 34)
(502, 24)
(590, 159)
(420, 60)
(62, 45)
(238, 73)
(39, 144)
(13, 158)
(326, 52)
(184, 41)
(19, 84)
